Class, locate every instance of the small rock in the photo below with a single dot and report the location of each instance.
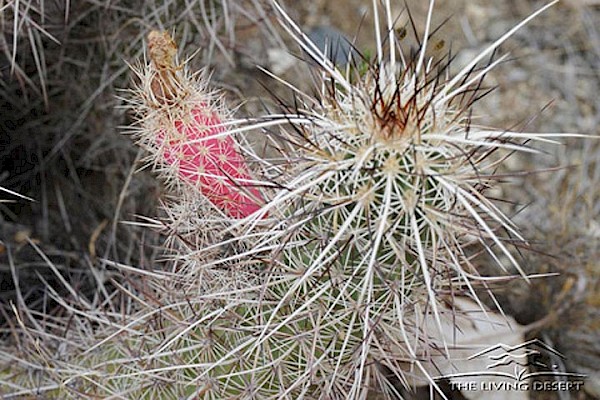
(336, 46)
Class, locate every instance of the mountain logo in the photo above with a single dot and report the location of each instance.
(522, 357)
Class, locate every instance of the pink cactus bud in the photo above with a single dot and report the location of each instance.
(212, 164)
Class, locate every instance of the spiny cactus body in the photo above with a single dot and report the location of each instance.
(381, 202)
(340, 280)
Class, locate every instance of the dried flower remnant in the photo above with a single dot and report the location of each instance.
(185, 126)
(163, 50)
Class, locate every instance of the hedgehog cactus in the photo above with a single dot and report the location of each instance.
(384, 204)
(339, 279)
(381, 203)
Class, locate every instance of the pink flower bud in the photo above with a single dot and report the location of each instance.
(212, 164)
(189, 136)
